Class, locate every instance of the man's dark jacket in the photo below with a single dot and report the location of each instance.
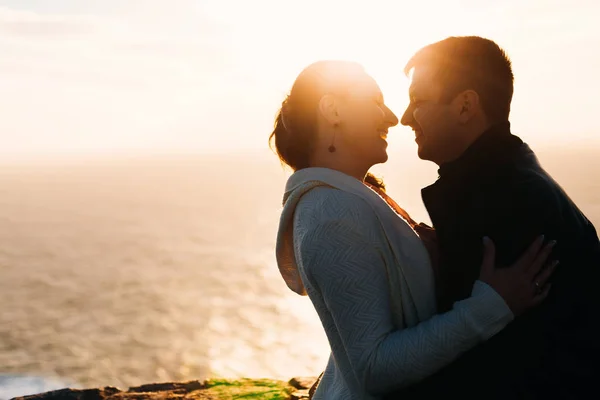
(497, 188)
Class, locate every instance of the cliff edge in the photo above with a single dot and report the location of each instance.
(217, 389)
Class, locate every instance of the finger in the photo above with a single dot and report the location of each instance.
(489, 257)
(539, 298)
(530, 254)
(543, 276)
(541, 258)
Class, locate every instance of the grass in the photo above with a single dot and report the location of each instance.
(264, 389)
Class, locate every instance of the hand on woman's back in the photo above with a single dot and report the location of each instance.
(523, 285)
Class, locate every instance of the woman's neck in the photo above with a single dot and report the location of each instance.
(339, 161)
(342, 164)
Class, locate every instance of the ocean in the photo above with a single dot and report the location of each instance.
(127, 270)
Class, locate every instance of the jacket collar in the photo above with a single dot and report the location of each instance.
(493, 147)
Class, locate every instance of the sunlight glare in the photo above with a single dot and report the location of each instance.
(278, 44)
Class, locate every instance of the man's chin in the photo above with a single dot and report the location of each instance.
(423, 153)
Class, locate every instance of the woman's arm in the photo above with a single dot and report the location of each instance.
(345, 267)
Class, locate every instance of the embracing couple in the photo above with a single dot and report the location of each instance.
(474, 307)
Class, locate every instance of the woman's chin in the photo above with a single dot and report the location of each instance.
(382, 156)
(373, 154)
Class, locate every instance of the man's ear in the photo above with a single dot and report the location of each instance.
(329, 109)
(466, 105)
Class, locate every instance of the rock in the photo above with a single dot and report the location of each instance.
(158, 391)
(110, 390)
(216, 389)
(181, 387)
(74, 394)
(302, 382)
(299, 395)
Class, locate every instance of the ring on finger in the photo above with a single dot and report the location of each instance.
(538, 287)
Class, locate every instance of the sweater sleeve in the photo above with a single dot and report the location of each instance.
(350, 275)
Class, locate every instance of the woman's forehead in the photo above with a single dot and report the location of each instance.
(364, 86)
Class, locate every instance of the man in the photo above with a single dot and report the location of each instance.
(490, 183)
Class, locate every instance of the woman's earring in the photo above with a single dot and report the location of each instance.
(332, 148)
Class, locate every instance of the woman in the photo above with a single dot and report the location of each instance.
(426, 233)
(364, 268)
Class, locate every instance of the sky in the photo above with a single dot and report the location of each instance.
(102, 76)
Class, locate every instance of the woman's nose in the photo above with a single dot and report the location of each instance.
(391, 118)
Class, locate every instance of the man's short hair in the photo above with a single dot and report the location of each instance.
(470, 62)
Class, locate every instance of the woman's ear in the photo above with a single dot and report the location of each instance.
(329, 109)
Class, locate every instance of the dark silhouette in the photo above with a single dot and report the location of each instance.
(490, 183)
(366, 272)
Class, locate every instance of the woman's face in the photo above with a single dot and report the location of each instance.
(364, 122)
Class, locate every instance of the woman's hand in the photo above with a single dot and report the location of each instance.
(523, 284)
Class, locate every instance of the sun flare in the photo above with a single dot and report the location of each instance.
(382, 35)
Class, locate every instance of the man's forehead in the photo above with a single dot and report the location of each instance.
(421, 79)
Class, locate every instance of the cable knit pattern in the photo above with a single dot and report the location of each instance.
(343, 241)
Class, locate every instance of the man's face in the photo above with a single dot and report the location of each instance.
(436, 124)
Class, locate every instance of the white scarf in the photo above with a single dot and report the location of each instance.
(410, 277)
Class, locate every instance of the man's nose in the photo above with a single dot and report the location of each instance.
(407, 117)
